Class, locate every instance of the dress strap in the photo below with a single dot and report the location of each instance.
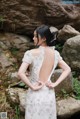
(55, 64)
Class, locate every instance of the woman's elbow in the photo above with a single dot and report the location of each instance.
(68, 70)
(19, 74)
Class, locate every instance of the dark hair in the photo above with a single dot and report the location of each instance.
(44, 31)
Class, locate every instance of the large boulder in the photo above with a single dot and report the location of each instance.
(12, 48)
(24, 16)
(67, 107)
(16, 96)
(67, 32)
(65, 86)
(71, 52)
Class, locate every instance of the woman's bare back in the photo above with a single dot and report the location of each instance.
(47, 64)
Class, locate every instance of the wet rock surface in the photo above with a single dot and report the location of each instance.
(23, 17)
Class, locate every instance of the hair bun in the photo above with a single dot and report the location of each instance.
(48, 32)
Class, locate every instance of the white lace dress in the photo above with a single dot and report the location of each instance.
(40, 104)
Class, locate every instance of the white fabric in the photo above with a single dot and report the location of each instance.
(40, 104)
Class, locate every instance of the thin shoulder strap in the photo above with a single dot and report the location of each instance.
(55, 64)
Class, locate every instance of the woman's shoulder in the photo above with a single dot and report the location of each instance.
(33, 52)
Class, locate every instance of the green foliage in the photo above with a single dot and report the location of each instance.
(14, 50)
(22, 85)
(17, 112)
(19, 85)
(1, 21)
(64, 93)
(1, 18)
(75, 74)
(59, 47)
(76, 88)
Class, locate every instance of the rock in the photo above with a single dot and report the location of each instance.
(67, 107)
(14, 75)
(12, 49)
(4, 60)
(16, 96)
(12, 95)
(71, 52)
(9, 40)
(23, 17)
(67, 32)
(65, 85)
(79, 78)
(22, 99)
(53, 29)
(11, 45)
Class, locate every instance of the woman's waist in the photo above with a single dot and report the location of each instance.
(36, 80)
(43, 89)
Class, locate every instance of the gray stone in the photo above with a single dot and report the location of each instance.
(65, 85)
(4, 60)
(67, 32)
(16, 96)
(67, 107)
(12, 49)
(71, 52)
(23, 17)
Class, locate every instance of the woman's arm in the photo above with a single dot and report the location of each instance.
(66, 71)
(22, 74)
(24, 78)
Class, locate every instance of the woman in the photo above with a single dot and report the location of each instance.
(42, 61)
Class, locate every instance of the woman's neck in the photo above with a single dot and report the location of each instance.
(43, 44)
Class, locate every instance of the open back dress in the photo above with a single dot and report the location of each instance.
(40, 104)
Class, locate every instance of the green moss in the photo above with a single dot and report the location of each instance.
(14, 51)
(17, 112)
(59, 47)
(2, 19)
(64, 93)
(76, 88)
